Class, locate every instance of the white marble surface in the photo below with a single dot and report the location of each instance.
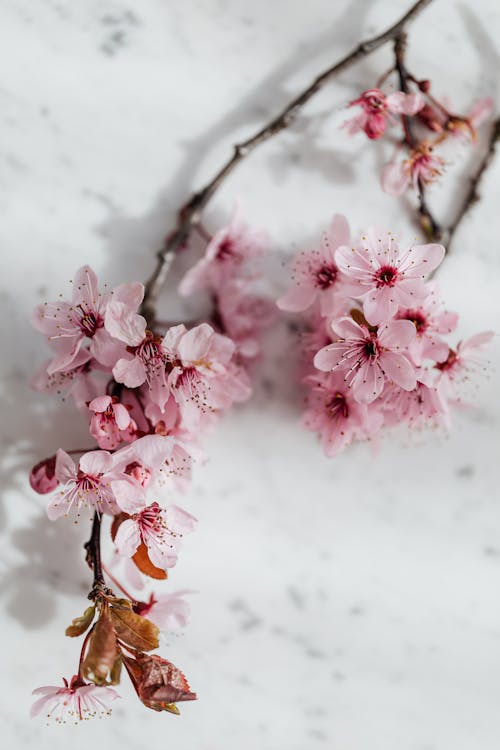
(350, 603)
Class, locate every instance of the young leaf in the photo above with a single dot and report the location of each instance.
(143, 562)
(81, 624)
(103, 651)
(135, 631)
(158, 682)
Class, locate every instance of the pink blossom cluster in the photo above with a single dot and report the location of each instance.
(426, 125)
(148, 398)
(376, 351)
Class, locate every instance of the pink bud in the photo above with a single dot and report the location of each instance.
(42, 476)
(139, 472)
(424, 85)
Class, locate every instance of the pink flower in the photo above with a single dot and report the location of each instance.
(75, 381)
(111, 423)
(243, 316)
(422, 166)
(385, 278)
(377, 109)
(421, 407)
(88, 485)
(168, 611)
(227, 251)
(333, 412)
(160, 529)
(315, 273)
(152, 460)
(68, 325)
(461, 362)
(430, 323)
(367, 359)
(43, 476)
(203, 379)
(75, 702)
(148, 363)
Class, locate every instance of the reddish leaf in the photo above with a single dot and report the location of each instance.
(158, 683)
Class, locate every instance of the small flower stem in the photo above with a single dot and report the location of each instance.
(117, 583)
(189, 214)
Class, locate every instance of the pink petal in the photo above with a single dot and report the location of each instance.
(420, 260)
(195, 344)
(173, 336)
(330, 356)
(106, 349)
(380, 305)
(338, 231)
(446, 321)
(124, 324)
(128, 538)
(86, 287)
(180, 521)
(100, 403)
(395, 178)
(481, 110)
(405, 104)
(398, 369)
(96, 462)
(65, 467)
(398, 334)
(130, 372)
(298, 298)
(368, 382)
(122, 416)
(129, 495)
(130, 294)
(347, 328)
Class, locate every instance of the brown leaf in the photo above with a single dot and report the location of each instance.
(158, 682)
(81, 624)
(102, 652)
(143, 562)
(135, 631)
(115, 674)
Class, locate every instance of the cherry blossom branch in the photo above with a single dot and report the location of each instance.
(472, 195)
(428, 223)
(189, 215)
(93, 550)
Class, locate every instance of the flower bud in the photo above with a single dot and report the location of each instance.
(424, 85)
(139, 472)
(42, 476)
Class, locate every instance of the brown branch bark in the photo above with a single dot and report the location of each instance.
(93, 557)
(190, 213)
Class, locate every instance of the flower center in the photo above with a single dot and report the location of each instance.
(418, 319)
(225, 249)
(89, 321)
(386, 276)
(370, 348)
(337, 406)
(449, 361)
(325, 277)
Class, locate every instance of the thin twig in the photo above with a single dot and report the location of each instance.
(472, 195)
(190, 213)
(93, 549)
(428, 223)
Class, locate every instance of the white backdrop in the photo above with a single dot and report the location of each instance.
(349, 603)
